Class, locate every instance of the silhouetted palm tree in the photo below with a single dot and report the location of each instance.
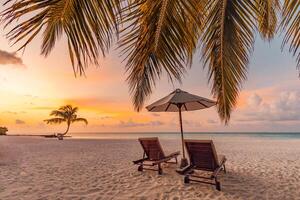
(159, 36)
(67, 114)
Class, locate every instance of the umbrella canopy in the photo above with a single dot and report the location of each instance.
(182, 100)
(179, 101)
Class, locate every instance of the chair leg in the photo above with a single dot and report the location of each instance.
(140, 168)
(186, 179)
(224, 169)
(218, 184)
(159, 169)
(176, 160)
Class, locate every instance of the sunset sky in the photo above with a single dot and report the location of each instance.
(31, 86)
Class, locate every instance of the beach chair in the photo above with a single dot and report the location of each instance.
(203, 156)
(153, 155)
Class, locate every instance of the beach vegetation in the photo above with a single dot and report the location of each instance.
(3, 130)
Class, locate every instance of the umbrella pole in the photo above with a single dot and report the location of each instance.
(183, 160)
(181, 129)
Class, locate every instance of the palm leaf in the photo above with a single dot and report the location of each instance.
(88, 25)
(58, 113)
(291, 26)
(160, 37)
(55, 120)
(74, 110)
(69, 111)
(227, 42)
(80, 120)
(267, 17)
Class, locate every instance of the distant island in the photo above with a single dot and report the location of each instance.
(3, 130)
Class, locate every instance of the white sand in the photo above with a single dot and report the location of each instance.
(40, 168)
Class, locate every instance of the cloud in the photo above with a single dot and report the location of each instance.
(18, 121)
(42, 107)
(13, 113)
(91, 101)
(131, 123)
(187, 123)
(284, 107)
(31, 96)
(192, 123)
(7, 58)
(211, 121)
(254, 100)
(105, 117)
(10, 112)
(41, 125)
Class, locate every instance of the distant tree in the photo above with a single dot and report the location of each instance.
(3, 130)
(65, 114)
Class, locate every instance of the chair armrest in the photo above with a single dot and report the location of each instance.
(222, 160)
(167, 158)
(216, 172)
(162, 160)
(175, 154)
(139, 161)
(184, 170)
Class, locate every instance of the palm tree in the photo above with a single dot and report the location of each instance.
(159, 36)
(65, 114)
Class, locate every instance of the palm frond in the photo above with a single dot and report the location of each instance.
(58, 113)
(88, 25)
(69, 111)
(80, 120)
(74, 110)
(291, 25)
(267, 17)
(55, 120)
(227, 42)
(160, 37)
(66, 108)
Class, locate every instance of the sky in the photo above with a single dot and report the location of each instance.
(32, 85)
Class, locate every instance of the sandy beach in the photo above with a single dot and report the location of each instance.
(40, 168)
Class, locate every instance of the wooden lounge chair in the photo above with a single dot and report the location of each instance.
(153, 155)
(203, 156)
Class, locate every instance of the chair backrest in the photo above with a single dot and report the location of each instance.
(202, 154)
(152, 148)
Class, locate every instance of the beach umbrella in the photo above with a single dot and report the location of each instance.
(179, 101)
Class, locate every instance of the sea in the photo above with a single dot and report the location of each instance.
(189, 135)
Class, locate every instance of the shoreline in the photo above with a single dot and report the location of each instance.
(33, 135)
(163, 136)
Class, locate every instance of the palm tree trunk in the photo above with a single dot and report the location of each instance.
(67, 130)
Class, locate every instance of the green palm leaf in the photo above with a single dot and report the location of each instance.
(291, 26)
(227, 42)
(88, 25)
(267, 17)
(160, 37)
